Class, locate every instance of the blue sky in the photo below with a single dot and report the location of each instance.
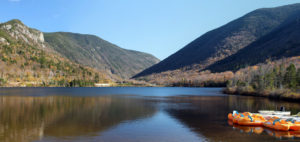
(159, 27)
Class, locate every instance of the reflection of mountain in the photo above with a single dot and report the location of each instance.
(31, 118)
(207, 116)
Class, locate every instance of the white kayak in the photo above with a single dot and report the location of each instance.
(272, 112)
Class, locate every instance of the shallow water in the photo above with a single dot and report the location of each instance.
(131, 114)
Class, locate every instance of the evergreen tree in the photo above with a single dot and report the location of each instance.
(2, 81)
(276, 81)
(280, 77)
(298, 77)
(290, 79)
(270, 80)
(97, 78)
(258, 82)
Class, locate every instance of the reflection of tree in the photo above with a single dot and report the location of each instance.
(253, 104)
(30, 118)
(207, 116)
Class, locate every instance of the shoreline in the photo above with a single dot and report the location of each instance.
(280, 94)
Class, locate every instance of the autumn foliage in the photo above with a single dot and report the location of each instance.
(25, 65)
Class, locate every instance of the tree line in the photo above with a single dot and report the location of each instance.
(274, 79)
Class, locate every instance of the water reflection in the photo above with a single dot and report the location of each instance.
(253, 104)
(259, 130)
(32, 118)
(207, 116)
(283, 134)
(180, 115)
(159, 128)
(249, 129)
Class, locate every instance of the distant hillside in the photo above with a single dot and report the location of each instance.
(284, 41)
(95, 52)
(25, 60)
(226, 40)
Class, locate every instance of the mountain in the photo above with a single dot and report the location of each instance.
(226, 40)
(95, 52)
(26, 60)
(282, 42)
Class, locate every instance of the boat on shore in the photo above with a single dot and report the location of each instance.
(272, 112)
(277, 120)
(277, 124)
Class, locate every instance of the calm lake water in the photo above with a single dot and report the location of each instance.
(130, 114)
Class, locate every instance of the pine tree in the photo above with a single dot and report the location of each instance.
(280, 77)
(260, 81)
(276, 81)
(298, 77)
(270, 79)
(290, 79)
(97, 78)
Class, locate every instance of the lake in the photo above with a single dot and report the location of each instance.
(131, 114)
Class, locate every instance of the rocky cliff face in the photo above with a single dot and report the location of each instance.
(19, 31)
(26, 60)
(3, 40)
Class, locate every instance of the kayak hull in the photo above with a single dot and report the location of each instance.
(235, 120)
(277, 126)
(247, 123)
(230, 117)
(295, 127)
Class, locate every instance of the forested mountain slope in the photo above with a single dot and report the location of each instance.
(95, 52)
(25, 60)
(284, 41)
(226, 40)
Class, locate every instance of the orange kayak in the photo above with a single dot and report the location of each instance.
(295, 126)
(230, 122)
(275, 123)
(235, 119)
(278, 124)
(235, 115)
(250, 122)
(232, 115)
(249, 119)
(238, 117)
